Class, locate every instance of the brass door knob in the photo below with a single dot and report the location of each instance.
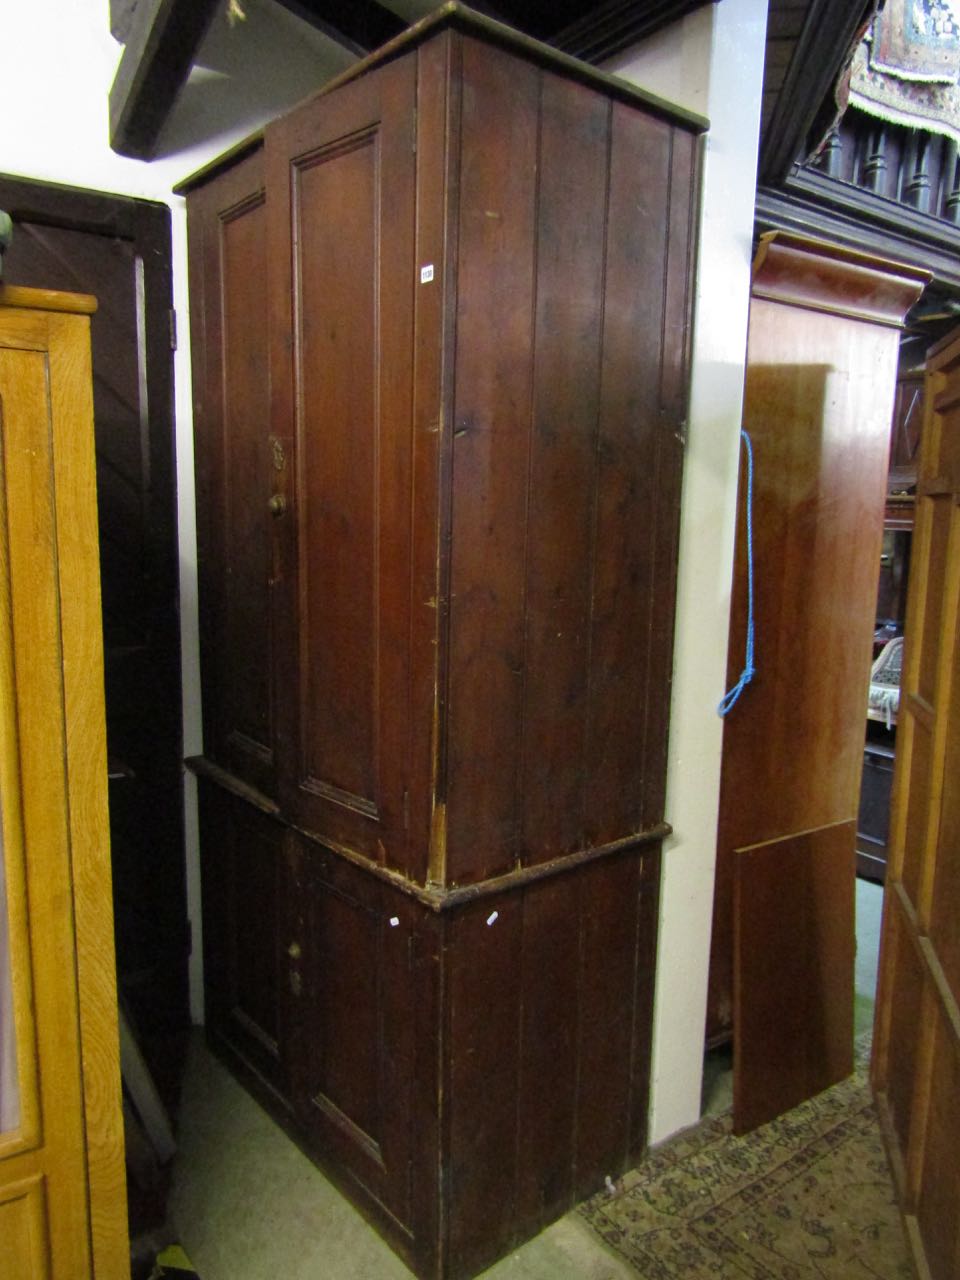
(277, 504)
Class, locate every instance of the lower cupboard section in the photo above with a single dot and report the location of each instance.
(466, 1071)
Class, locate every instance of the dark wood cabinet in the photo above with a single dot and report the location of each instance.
(441, 314)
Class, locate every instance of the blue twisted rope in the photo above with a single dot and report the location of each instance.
(749, 670)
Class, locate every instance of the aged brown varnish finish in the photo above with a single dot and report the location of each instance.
(442, 314)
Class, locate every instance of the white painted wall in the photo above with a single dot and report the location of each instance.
(711, 62)
(58, 66)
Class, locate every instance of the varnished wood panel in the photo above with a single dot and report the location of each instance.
(61, 1164)
(916, 1069)
(549, 989)
(237, 471)
(494, 327)
(547, 1111)
(24, 1230)
(343, 223)
(904, 1034)
(356, 1022)
(817, 403)
(245, 880)
(623, 551)
(793, 997)
(561, 466)
(609, 941)
(939, 1175)
(565, 481)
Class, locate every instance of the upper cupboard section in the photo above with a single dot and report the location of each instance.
(449, 562)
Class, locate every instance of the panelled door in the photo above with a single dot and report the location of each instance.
(916, 1070)
(341, 172)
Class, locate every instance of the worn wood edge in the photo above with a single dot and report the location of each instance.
(454, 13)
(13, 295)
(829, 277)
(78, 575)
(469, 21)
(233, 155)
(436, 897)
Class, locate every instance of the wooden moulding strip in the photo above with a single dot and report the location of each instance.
(46, 300)
(433, 896)
(826, 277)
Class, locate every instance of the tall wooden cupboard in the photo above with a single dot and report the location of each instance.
(441, 316)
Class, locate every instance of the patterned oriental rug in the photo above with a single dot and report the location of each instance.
(806, 1196)
(907, 68)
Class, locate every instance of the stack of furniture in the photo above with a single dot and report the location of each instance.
(441, 321)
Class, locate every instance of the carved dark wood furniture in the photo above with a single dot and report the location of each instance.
(441, 321)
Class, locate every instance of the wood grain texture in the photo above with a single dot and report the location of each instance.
(238, 471)
(55, 816)
(916, 1066)
(818, 399)
(793, 995)
(86, 772)
(480, 283)
(342, 180)
(494, 328)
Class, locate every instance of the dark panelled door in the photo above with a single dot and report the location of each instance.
(119, 250)
(341, 173)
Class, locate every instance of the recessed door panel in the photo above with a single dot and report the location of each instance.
(343, 223)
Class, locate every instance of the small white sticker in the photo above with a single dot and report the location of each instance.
(394, 921)
(426, 273)
(492, 917)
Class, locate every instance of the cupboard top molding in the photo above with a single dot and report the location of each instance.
(462, 18)
(821, 276)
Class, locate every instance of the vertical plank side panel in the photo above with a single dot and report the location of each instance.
(609, 902)
(496, 272)
(546, 1107)
(571, 231)
(644, 988)
(624, 554)
(483, 960)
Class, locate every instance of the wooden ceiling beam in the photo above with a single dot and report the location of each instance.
(360, 26)
(163, 39)
(818, 57)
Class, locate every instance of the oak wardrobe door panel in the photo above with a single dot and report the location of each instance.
(342, 218)
(240, 466)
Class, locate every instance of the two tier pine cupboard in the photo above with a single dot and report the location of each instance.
(441, 321)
